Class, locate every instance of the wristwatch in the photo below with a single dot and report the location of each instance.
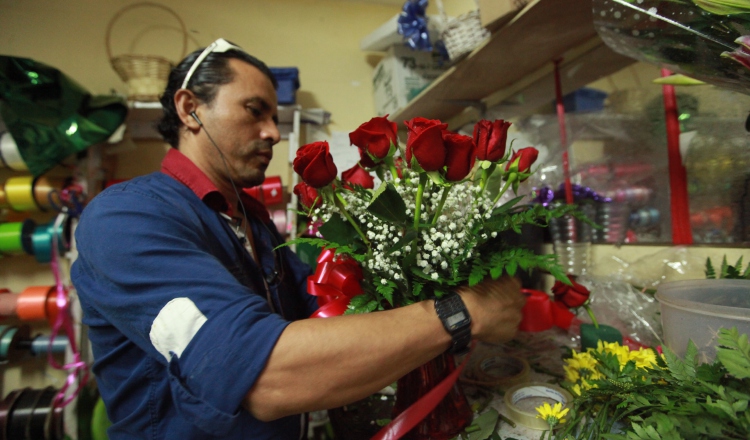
(456, 320)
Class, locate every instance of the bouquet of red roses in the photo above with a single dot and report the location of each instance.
(432, 223)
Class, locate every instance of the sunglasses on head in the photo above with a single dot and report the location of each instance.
(219, 46)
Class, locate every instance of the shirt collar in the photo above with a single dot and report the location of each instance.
(181, 168)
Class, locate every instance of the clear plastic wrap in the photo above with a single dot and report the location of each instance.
(698, 39)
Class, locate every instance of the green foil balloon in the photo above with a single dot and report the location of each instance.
(50, 116)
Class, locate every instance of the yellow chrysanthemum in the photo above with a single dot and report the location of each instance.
(571, 373)
(643, 358)
(553, 415)
(621, 351)
(576, 389)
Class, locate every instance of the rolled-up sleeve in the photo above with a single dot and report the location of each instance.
(144, 267)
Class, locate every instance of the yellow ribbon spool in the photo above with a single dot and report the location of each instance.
(3, 200)
(19, 192)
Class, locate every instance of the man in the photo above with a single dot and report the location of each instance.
(195, 321)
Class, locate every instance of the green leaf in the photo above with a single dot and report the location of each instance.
(339, 230)
(388, 205)
(710, 272)
(486, 423)
(734, 352)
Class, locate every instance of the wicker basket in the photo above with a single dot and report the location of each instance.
(145, 75)
(463, 33)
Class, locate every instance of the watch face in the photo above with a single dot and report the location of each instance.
(456, 319)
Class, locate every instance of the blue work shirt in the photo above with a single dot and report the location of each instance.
(177, 310)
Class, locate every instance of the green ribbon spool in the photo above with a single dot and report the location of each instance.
(6, 341)
(15, 237)
(41, 241)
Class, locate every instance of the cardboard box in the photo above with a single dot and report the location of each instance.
(494, 14)
(387, 34)
(401, 75)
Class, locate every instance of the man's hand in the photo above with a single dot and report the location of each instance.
(495, 309)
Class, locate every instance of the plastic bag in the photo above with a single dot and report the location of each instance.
(49, 115)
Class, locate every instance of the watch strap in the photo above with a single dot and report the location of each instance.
(456, 321)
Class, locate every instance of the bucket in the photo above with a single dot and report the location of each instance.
(696, 310)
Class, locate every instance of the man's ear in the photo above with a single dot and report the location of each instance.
(186, 103)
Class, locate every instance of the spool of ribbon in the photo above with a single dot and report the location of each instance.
(3, 199)
(44, 188)
(7, 303)
(19, 191)
(269, 193)
(541, 313)
(10, 337)
(524, 414)
(15, 237)
(44, 344)
(36, 303)
(30, 414)
(335, 282)
(9, 153)
(41, 240)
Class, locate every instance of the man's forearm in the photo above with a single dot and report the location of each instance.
(324, 363)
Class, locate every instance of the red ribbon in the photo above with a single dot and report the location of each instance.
(335, 282)
(414, 414)
(541, 313)
(679, 204)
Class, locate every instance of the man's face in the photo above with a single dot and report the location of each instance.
(242, 119)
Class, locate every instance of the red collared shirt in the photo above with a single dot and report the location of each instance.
(182, 169)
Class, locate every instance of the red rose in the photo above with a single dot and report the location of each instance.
(308, 196)
(365, 160)
(314, 164)
(375, 137)
(490, 139)
(572, 296)
(425, 143)
(357, 175)
(525, 157)
(459, 155)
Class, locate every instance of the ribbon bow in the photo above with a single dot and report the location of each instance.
(541, 313)
(335, 282)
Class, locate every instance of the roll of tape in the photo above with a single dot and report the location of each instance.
(534, 394)
(37, 303)
(10, 154)
(15, 237)
(496, 371)
(20, 193)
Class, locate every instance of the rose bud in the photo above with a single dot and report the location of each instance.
(490, 139)
(522, 160)
(425, 143)
(357, 175)
(375, 138)
(459, 159)
(314, 164)
(308, 196)
(572, 296)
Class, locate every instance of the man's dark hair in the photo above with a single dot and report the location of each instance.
(212, 72)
